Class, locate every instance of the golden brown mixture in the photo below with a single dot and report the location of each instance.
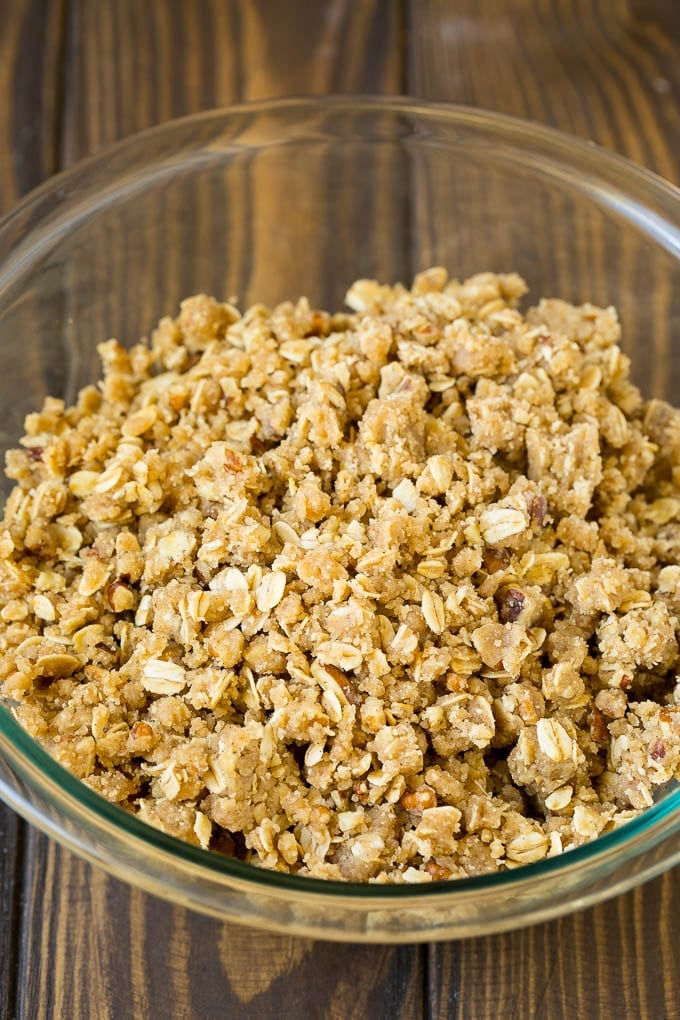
(391, 595)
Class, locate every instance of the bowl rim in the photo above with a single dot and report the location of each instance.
(513, 128)
(53, 777)
(209, 862)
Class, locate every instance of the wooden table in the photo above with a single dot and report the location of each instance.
(74, 76)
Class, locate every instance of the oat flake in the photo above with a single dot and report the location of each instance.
(389, 594)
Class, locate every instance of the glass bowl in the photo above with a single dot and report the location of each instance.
(278, 199)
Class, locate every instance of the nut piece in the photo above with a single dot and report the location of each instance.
(419, 800)
(407, 494)
(510, 604)
(141, 731)
(495, 559)
(121, 597)
(437, 476)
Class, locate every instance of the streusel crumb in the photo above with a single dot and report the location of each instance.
(390, 595)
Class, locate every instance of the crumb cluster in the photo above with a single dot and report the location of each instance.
(390, 595)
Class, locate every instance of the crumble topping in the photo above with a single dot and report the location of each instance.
(390, 595)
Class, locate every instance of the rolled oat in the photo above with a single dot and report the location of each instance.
(388, 596)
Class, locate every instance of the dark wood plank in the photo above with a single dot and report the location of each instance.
(11, 840)
(114, 952)
(615, 960)
(127, 71)
(609, 72)
(117, 953)
(120, 953)
(606, 71)
(30, 67)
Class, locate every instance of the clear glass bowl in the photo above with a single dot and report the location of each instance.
(278, 199)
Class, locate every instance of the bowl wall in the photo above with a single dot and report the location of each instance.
(277, 200)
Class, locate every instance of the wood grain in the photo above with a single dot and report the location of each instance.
(614, 960)
(132, 65)
(74, 77)
(11, 844)
(30, 52)
(120, 953)
(114, 952)
(605, 71)
(609, 72)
